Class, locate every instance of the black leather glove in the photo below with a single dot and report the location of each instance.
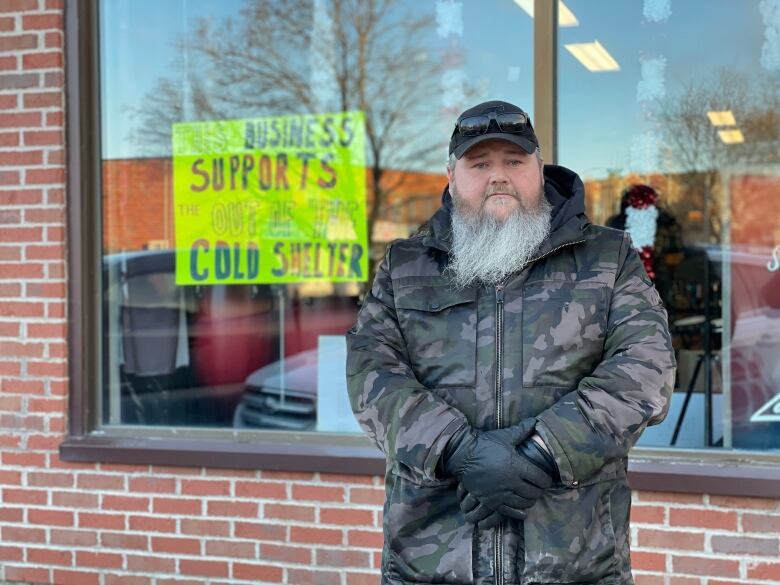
(493, 472)
(488, 511)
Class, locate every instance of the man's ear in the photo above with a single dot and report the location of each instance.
(450, 176)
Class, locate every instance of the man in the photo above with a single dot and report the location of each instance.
(508, 356)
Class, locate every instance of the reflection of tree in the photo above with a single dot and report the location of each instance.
(695, 147)
(306, 56)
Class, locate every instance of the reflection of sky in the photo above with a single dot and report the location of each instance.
(600, 117)
(138, 48)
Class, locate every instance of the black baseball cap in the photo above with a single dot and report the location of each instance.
(520, 134)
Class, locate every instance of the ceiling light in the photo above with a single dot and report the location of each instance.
(593, 56)
(731, 136)
(565, 15)
(724, 118)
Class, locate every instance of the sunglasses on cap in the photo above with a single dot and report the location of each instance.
(509, 122)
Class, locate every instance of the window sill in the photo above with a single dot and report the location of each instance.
(717, 473)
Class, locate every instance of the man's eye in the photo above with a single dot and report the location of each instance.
(515, 163)
(480, 165)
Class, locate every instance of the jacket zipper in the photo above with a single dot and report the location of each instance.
(499, 536)
(498, 545)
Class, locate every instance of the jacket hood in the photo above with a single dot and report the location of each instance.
(563, 188)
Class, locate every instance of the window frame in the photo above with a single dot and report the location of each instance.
(695, 471)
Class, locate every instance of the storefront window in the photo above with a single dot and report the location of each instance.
(684, 97)
(257, 156)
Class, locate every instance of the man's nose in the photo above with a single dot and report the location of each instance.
(498, 177)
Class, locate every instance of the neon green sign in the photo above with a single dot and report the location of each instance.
(271, 200)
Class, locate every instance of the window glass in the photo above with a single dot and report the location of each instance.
(683, 97)
(257, 157)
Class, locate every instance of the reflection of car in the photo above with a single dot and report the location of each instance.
(281, 395)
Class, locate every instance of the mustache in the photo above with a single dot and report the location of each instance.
(493, 189)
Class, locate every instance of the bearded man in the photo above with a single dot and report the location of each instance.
(507, 358)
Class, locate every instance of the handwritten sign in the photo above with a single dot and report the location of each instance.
(271, 200)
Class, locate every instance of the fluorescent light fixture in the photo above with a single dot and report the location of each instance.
(593, 56)
(723, 118)
(731, 136)
(565, 15)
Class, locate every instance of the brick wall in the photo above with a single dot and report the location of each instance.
(140, 525)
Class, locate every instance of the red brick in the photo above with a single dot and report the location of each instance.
(10, 348)
(75, 500)
(177, 506)
(47, 60)
(286, 554)
(744, 545)
(153, 484)
(342, 558)
(648, 561)
(11, 63)
(703, 518)
(127, 580)
(47, 369)
(100, 481)
(46, 252)
(289, 512)
(18, 272)
(8, 514)
(9, 138)
(21, 197)
(265, 490)
(318, 493)
(764, 571)
(8, 102)
(62, 577)
(21, 158)
(287, 475)
(362, 578)
(704, 566)
(46, 330)
(53, 40)
(670, 539)
(23, 534)
(371, 496)
(10, 309)
(54, 119)
(346, 516)
(20, 81)
(47, 442)
(205, 487)
(24, 459)
(366, 538)
(99, 560)
(240, 509)
(175, 545)
(7, 23)
(44, 176)
(255, 573)
(761, 523)
(27, 574)
(47, 556)
(49, 517)
(150, 564)
(10, 216)
(151, 524)
(125, 503)
(64, 537)
(25, 496)
(18, 120)
(11, 369)
(11, 553)
(222, 548)
(257, 531)
(205, 527)
(21, 234)
(44, 215)
(102, 521)
(10, 252)
(53, 79)
(316, 577)
(18, 42)
(204, 568)
(18, 5)
(9, 178)
(316, 535)
(120, 540)
(42, 21)
(48, 99)
(732, 502)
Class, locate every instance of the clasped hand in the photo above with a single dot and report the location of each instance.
(500, 472)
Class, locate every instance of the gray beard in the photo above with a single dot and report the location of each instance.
(485, 250)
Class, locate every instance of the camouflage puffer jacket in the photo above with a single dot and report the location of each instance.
(578, 339)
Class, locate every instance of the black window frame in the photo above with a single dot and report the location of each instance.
(694, 471)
